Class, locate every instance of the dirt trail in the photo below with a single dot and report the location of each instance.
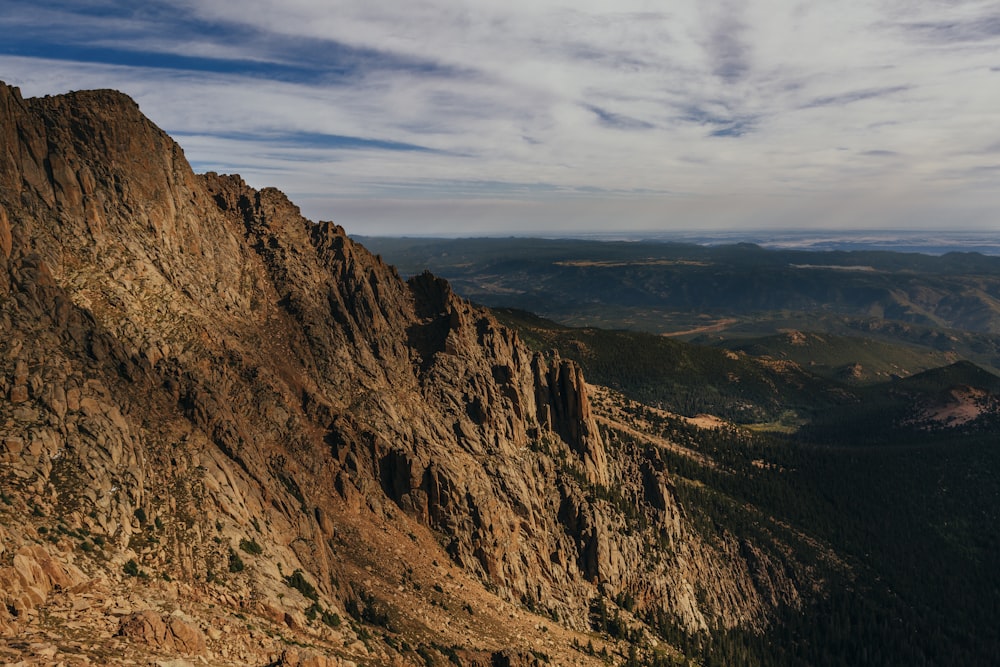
(720, 325)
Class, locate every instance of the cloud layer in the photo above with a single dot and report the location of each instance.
(437, 116)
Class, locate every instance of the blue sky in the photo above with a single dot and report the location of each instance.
(520, 117)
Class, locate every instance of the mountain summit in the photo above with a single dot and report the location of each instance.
(232, 434)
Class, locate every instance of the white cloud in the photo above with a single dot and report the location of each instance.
(737, 113)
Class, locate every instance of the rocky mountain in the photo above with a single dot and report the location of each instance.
(232, 435)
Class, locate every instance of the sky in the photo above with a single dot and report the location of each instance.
(535, 116)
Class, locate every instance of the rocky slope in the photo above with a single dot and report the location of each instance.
(228, 433)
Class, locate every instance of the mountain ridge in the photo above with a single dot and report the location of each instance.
(214, 403)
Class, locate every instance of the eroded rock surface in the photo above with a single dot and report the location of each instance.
(213, 403)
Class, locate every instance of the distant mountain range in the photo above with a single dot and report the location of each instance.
(947, 304)
(924, 242)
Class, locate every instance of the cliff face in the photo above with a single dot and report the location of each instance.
(209, 399)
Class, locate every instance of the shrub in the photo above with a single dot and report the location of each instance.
(235, 562)
(131, 568)
(298, 581)
(251, 547)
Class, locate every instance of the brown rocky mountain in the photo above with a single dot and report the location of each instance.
(230, 435)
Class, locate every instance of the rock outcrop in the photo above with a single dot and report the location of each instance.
(26, 584)
(170, 634)
(206, 390)
(564, 408)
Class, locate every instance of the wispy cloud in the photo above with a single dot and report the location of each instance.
(735, 113)
(734, 130)
(855, 96)
(315, 140)
(975, 29)
(719, 119)
(728, 50)
(618, 121)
